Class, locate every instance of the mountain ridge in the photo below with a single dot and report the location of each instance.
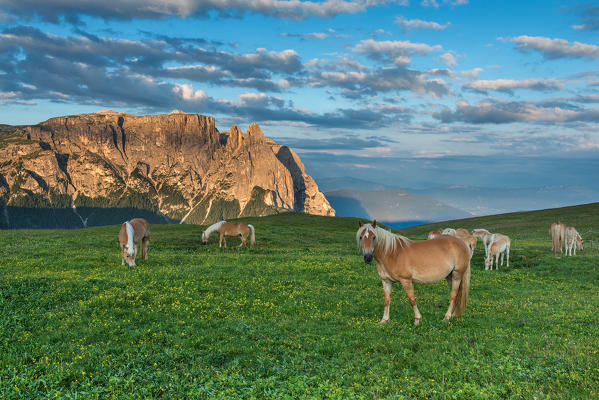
(177, 165)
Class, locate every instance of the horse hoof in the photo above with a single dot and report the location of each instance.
(417, 321)
(447, 318)
(382, 321)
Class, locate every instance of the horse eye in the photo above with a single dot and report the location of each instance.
(360, 237)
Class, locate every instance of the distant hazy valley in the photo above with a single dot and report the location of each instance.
(405, 206)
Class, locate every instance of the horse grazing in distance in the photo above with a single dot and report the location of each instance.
(485, 236)
(399, 259)
(500, 246)
(225, 228)
(558, 235)
(467, 238)
(448, 231)
(573, 240)
(435, 234)
(132, 232)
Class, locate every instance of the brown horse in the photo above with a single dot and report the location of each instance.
(399, 259)
(558, 236)
(131, 233)
(225, 228)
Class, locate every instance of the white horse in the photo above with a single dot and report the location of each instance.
(448, 231)
(573, 240)
(485, 236)
(500, 245)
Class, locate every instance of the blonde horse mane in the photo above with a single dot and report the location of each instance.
(212, 228)
(130, 234)
(385, 239)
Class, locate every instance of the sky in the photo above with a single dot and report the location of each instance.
(413, 93)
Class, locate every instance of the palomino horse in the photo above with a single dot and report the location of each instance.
(225, 228)
(500, 245)
(573, 240)
(558, 234)
(435, 234)
(460, 233)
(399, 259)
(467, 238)
(485, 236)
(131, 233)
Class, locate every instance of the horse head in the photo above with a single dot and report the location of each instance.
(130, 254)
(579, 242)
(366, 238)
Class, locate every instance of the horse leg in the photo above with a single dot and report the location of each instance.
(408, 287)
(456, 280)
(145, 247)
(220, 242)
(387, 288)
(448, 279)
(507, 255)
(242, 240)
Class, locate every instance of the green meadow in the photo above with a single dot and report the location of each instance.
(295, 317)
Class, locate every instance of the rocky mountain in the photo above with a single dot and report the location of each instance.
(177, 167)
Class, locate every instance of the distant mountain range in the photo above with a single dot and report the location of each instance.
(106, 167)
(405, 206)
(395, 208)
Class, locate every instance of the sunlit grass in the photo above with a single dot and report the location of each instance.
(295, 317)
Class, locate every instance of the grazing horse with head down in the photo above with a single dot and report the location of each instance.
(132, 232)
(558, 235)
(500, 246)
(399, 259)
(573, 240)
(225, 228)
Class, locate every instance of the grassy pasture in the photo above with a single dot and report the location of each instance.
(295, 317)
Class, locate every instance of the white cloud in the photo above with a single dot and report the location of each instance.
(555, 48)
(409, 24)
(159, 9)
(398, 52)
(449, 59)
(507, 85)
(186, 92)
(472, 73)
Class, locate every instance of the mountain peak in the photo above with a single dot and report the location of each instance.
(178, 165)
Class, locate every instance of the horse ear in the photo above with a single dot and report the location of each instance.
(359, 224)
(374, 223)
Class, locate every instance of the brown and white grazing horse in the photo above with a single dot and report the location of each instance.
(558, 235)
(460, 233)
(500, 245)
(573, 240)
(435, 234)
(132, 232)
(399, 259)
(225, 228)
(485, 236)
(467, 238)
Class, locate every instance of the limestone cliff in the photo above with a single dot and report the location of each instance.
(177, 165)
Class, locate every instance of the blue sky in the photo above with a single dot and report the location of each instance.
(415, 93)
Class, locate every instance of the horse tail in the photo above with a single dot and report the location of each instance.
(462, 296)
(252, 235)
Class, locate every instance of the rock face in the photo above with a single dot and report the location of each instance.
(177, 165)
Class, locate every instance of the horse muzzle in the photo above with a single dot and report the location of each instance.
(368, 258)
